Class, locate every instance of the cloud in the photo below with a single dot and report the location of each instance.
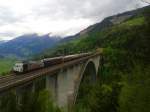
(60, 17)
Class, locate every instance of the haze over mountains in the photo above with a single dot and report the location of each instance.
(109, 21)
(2, 41)
(112, 29)
(27, 45)
(31, 44)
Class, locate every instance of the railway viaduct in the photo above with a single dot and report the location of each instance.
(62, 80)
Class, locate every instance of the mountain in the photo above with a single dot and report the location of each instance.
(27, 45)
(2, 41)
(124, 75)
(107, 22)
(113, 31)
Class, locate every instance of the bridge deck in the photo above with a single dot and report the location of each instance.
(14, 80)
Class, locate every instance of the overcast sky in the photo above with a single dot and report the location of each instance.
(60, 17)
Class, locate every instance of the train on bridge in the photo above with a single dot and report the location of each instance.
(27, 66)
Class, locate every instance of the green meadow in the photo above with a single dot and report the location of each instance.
(6, 65)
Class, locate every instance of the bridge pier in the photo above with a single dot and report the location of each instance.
(51, 85)
(66, 84)
(23, 90)
(96, 61)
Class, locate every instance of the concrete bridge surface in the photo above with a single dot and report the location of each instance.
(62, 80)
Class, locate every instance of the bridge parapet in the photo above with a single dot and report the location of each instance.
(63, 80)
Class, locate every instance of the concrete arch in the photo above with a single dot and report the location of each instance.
(68, 81)
(89, 71)
(88, 75)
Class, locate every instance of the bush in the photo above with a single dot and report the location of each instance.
(28, 102)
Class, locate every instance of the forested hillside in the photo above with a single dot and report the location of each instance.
(124, 78)
(106, 34)
(123, 83)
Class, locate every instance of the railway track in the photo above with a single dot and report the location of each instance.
(7, 77)
(13, 80)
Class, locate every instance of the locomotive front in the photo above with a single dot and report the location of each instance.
(19, 67)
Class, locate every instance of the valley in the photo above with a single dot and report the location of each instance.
(124, 73)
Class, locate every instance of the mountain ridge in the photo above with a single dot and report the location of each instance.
(100, 33)
(107, 22)
(32, 44)
(27, 45)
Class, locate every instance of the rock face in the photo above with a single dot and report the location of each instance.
(27, 45)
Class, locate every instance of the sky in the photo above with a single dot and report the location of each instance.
(58, 17)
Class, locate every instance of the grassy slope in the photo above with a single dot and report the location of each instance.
(6, 65)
